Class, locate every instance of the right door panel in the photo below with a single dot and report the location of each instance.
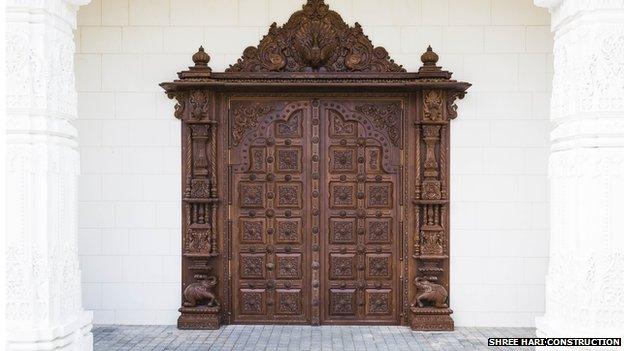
(360, 210)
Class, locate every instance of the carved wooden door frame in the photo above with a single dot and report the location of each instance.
(315, 52)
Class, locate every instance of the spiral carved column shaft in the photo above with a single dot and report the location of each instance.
(585, 281)
(43, 301)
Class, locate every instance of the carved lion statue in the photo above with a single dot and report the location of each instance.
(432, 294)
(196, 293)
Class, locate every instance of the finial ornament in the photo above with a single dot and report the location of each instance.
(429, 58)
(429, 69)
(201, 58)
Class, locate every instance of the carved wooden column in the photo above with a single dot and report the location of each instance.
(585, 280)
(435, 108)
(43, 300)
(200, 200)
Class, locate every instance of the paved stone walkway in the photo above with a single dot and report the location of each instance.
(265, 337)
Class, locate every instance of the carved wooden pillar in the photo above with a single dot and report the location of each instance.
(200, 201)
(585, 280)
(435, 109)
(43, 296)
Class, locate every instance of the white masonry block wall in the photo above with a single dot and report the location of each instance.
(129, 141)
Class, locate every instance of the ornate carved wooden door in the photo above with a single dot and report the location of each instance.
(270, 210)
(360, 210)
(315, 180)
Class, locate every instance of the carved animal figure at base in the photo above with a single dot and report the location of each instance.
(201, 293)
(432, 294)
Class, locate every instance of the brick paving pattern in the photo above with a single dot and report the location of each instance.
(278, 338)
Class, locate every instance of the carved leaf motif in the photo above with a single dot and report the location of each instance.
(245, 117)
(315, 39)
(386, 117)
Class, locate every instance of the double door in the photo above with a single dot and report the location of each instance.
(315, 210)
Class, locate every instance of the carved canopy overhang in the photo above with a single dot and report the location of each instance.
(314, 52)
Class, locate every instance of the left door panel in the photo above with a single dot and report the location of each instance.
(269, 159)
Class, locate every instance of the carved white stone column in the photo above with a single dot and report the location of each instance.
(43, 305)
(585, 281)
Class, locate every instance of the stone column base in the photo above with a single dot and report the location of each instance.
(432, 319)
(206, 318)
(73, 336)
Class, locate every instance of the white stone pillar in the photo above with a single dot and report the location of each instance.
(43, 305)
(585, 281)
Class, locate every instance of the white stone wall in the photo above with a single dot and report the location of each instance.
(129, 141)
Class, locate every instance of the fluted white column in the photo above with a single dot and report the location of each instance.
(43, 302)
(585, 281)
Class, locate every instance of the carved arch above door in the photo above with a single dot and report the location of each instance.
(313, 60)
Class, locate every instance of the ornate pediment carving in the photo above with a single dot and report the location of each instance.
(315, 39)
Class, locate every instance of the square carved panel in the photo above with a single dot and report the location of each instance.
(252, 230)
(378, 266)
(288, 159)
(378, 230)
(252, 266)
(252, 301)
(251, 194)
(287, 230)
(288, 266)
(378, 301)
(342, 230)
(288, 301)
(379, 195)
(342, 195)
(342, 266)
(342, 302)
(342, 159)
(289, 195)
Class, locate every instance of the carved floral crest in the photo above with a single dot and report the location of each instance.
(315, 39)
